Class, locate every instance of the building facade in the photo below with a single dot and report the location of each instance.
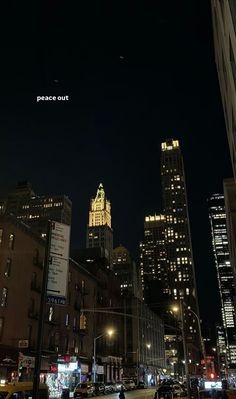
(224, 24)
(179, 256)
(217, 215)
(99, 230)
(153, 260)
(69, 330)
(126, 271)
(177, 227)
(224, 33)
(35, 210)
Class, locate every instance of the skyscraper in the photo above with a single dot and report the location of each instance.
(99, 231)
(224, 271)
(153, 259)
(126, 271)
(166, 261)
(179, 258)
(177, 229)
(224, 30)
(224, 33)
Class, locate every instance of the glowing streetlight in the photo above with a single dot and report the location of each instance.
(148, 346)
(109, 333)
(177, 309)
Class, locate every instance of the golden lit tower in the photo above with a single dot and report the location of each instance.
(99, 231)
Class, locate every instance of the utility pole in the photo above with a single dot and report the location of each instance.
(184, 348)
(39, 342)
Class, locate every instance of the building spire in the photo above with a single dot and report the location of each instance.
(100, 196)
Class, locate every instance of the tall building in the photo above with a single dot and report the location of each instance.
(99, 231)
(166, 260)
(224, 33)
(179, 256)
(35, 210)
(153, 259)
(224, 28)
(224, 271)
(126, 271)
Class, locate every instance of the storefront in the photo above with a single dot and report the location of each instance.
(8, 362)
(66, 373)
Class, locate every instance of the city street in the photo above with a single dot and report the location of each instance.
(137, 394)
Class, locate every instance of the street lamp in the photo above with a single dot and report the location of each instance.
(176, 310)
(200, 333)
(109, 333)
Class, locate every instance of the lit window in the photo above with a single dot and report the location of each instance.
(4, 297)
(1, 233)
(7, 271)
(67, 321)
(50, 316)
(11, 241)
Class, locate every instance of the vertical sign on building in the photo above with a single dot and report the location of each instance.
(58, 263)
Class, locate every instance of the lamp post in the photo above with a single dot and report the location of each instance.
(201, 339)
(109, 333)
(176, 309)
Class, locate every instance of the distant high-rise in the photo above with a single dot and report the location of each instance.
(153, 259)
(99, 231)
(35, 210)
(224, 271)
(126, 271)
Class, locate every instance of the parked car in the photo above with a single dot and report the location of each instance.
(84, 390)
(141, 385)
(117, 386)
(129, 384)
(109, 388)
(99, 388)
(169, 391)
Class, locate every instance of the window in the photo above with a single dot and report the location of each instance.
(1, 232)
(4, 297)
(50, 316)
(67, 321)
(7, 271)
(11, 241)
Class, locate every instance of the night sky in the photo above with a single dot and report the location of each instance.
(135, 75)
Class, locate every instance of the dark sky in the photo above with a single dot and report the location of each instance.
(135, 75)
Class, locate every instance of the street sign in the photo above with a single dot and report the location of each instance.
(58, 263)
(23, 343)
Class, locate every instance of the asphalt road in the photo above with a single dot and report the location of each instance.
(147, 393)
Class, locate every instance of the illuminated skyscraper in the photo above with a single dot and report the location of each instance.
(224, 271)
(153, 259)
(177, 230)
(99, 231)
(166, 261)
(179, 257)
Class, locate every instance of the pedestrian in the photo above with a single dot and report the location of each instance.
(122, 393)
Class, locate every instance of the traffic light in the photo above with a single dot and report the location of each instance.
(82, 322)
